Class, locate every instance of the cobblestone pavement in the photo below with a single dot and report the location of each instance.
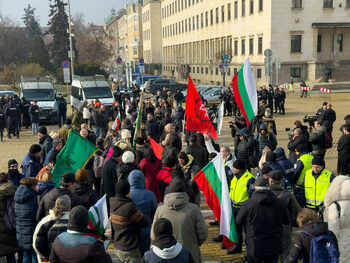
(296, 109)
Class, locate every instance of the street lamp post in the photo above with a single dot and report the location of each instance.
(70, 40)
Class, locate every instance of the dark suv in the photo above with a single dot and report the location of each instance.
(153, 85)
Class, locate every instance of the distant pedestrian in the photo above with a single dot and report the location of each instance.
(344, 151)
(61, 105)
(34, 112)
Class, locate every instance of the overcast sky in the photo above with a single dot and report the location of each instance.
(94, 11)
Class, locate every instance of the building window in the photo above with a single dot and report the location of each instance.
(206, 71)
(206, 18)
(135, 50)
(295, 72)
(197, 70)
(235, 48)
(347, 3)
(295, 44)
(189, 3)
(258, 73)
(319, 43)
(189, 24)
(235, 70)
(260, 45)
(251, 46)
(327, 3)
(297, 3)
(211, 17)
(201, 70)
(340, 41)
(251, 7)
(193, 24)
(186, 25)
(229, 11)
(229, 71)
(197, 21)
(223, 13)
(216, 71)
(235, 10)
(243, 47)
(202, 22)
(185, 3)
(243, 7)
(217, 15)
(261, 5)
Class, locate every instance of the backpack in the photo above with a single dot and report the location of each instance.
(10, 216)
(98, 165)
(323, 249)
(328, 140)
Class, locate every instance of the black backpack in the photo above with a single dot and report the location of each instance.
(10, 216)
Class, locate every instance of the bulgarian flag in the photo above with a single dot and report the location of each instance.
(244, 92)
(116, 123)
(212, 182)
(98, 216)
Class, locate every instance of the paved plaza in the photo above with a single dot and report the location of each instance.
(296, 109)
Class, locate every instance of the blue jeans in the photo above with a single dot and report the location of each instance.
(97, 132)
(29, 256)
(35, 127)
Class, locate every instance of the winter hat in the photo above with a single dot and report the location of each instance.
(244, 131)
(263, 126)
(122, 187)
(128, 157)
(270, 157)
(78, 216)
(140, 141)
(268, 113)
(42, 130)
(53, 156)
(301, 148)
(325, 103)
(123, 145)
(266, 169)
(276, 175)
(12, 162)
(280, 152)
(66, 179)
(56, 142)
(162, 227)
(169, 161)
(125, 134)
(271, 145)
(317, 160)
(35, 148)
(117, 152)
(238, 164)
(261, 182)
(82, 175)
(176, 185)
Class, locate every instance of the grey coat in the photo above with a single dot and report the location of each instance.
(187, 220)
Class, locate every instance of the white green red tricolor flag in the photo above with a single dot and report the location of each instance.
(212, 181)
(244, 92)
(116, 123)
(98, 216)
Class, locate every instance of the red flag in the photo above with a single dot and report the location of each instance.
(157, 149)
(197, 118)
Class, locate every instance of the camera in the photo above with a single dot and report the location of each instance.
(310, 119)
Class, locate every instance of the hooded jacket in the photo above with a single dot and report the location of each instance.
(46, 145)
(30, 165)
(87, 195)
(173, 254)
(318, 140)
(44, 188)
(264, 214)
(8, 243)
(188, 224)
(339, 221)
(26, 205)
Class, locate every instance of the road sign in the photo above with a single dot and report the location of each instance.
(66, 75)
(268, 53)
(119, 60)
(226, 56)
(221, 66)
(268, 66)
(141, 61)
(65, 64)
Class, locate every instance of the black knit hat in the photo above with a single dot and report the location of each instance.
(78, 216)
(239, 165)
(42, 130)
(66, 179)
(35, 148)
(317, 160)
(169, 161)
(261, 182)
(266, 169)
(271, 157)
(12, 162)
(276, 175)
(117, 152)
(122, 187)
(163, 227)
(176, 185)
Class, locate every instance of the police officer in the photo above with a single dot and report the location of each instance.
(241, 189)
(302, 165)
(2, 123)
(61, 109)
(25, 112)
(316, 183)
(320, 111)
(13, 116)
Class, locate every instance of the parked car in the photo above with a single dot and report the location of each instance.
(213, 96)
(153, 85)
(10, 92)
(202, 89)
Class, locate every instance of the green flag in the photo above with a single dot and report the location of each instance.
(74, 155)
(138, 122)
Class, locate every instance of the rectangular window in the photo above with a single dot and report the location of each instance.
(217, 15)
(260, 45)
(235, 70)
(202, 22)
(251, 7)
(251, 46)
(216, 71)
(206, 18)
(201, 70)
(185, 3)
(182, 27)
(189, 24)
(347, 3)
(258, 73)
(243, 7)
(340, 41)
(193, 24)
(295, 72)
(223, 13)
(235, 11)
(297, 3)
(319, 43)
(295, 44)
(243, 47)
(198, 70)
(261, 5)
(135, 50)
(229, 11)
(211, 17)
(206, 71)
(327, 3)
(235, 48)
(189, 3)
(175, 7)
(197, 21)
(186, 25)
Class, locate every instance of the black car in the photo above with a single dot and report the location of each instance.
(154, 85)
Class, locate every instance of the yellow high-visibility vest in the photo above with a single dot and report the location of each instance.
(315, 190)
(239, 190)
(306, 159)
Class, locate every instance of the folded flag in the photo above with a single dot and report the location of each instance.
(138, 122)
(157, 148)
(213, 183)
(245, 93)
(220, 117)
(75, 154)
(98, 216)
(116, 123)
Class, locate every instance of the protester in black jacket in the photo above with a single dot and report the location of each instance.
(34, 112)
(318, 140)
(344, 151)
(45, 141)
(25, 105)
(264, 214)
(81, 188)
(152, 128)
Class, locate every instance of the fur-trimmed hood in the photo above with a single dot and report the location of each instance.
(339, 190)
